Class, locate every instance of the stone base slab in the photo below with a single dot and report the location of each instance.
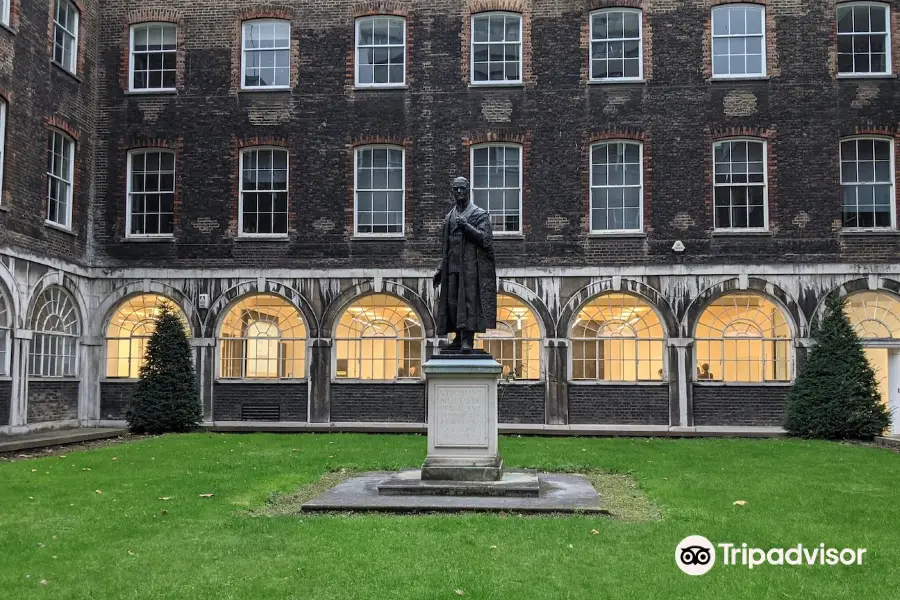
(412, 483)
(489, 468)
(560, 493)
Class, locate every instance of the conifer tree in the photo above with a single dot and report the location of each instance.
(836, 395)
(166, 397)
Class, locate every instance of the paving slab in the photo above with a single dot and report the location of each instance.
(57, 437)
(560, 493)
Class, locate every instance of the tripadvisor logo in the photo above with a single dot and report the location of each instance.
(696, 555)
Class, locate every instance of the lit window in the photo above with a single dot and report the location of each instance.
(616, 52)
(739, 181)
(60, 169)
(55, 330)
(496, 48)
(497, 185)
(738, 41)
(616, 186)
(864, 39)
(379, 337)
(380, 51)
(516, 341)
(617, 337)
(264, 192)
(151, 193)
(65, 35)
(380, 190)
(5, 324)
(129, 331)
(745, 338)
(2, 143)
(262, 337)
(266, 55)
(153, 57)
(867, 183)
(874, 315)
(4, 12)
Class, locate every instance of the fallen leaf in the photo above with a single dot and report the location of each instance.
(740, 502)
(86, 469)
(493, 547)
(34, 470)
(571, 546)
(165, 498)
(332, 456)
(31, 497)
(54, 557)
(165, 512)
(40, 545)
(114, 458)
(206, 495)
(459, 592)
(44, 583)
(99, 491)
(62, 455)
(595, 532)
(296, 450)
(130, 553)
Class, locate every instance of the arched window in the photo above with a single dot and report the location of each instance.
(262, 337)
(5, 324)
(743, 337)
(516, 342)
(874, 315)
(617, 337)
(129, 331)
(379, 337)
(54, 342)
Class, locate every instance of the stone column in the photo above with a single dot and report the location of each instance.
(204, 350)
(319, 353)
(557, 381)
(91, 370)
(18, 369)
(681, 378)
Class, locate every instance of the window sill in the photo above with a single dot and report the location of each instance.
(262, 238)
(725, 79)
(377, 88)
(743, 383)
(67, 378)
(508, 236)
(59, 227)
(4, 208)
(868, 232)
(148, 239)
(499, 84)
(66, 71)
(740, 233)
(404, 381)
(502, 382)
(6, 27)
(640, 81)
(264, 90)
(599, 382)
(866, 76)
(139, 93)
(616, 234)
(378, 238)
(262, 380)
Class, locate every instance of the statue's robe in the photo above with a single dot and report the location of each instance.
(470, 257)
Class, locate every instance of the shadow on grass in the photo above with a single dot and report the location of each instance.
(619, 493)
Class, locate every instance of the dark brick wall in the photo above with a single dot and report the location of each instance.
(229, 398)
(388, 402)
(40, 95)
(521, 403)
(114, 398)
(50, 400)
(5, 402)
(619, 404)
(740, 404)
(555, 116)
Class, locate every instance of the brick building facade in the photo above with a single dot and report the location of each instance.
(682, 185)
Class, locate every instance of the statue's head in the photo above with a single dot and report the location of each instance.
(460, 188)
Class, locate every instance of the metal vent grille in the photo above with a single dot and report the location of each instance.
(260, 412)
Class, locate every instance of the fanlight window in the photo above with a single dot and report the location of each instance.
(743, 338)
(516, 342)
(262, 337)
(54, 341)
(379, 337)
(874, 315)
(129, 331)
(5, 323)
(617, 337)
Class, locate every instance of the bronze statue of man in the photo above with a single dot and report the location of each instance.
(466, 275)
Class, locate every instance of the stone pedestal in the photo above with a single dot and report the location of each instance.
(462, 418)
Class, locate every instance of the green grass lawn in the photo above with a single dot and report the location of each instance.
(118, 544)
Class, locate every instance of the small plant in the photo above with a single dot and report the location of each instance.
(166, 397)
(836, 395)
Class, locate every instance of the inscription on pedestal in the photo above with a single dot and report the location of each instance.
(462, 418)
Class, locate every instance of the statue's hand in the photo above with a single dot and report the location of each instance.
(436, 280)
(461, 223)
